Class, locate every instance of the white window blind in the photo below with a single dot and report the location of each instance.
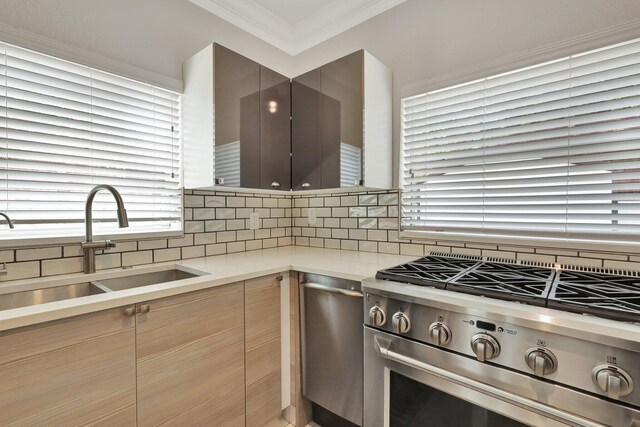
(551, 150)
(65, 128)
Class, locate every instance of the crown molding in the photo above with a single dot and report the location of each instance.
(252, 18)
(582, 43)
(334, 18)
(29, 40)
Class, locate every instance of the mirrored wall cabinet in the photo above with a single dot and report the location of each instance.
(236, 120)
(246, 126)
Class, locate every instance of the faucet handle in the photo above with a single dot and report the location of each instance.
(108, 244)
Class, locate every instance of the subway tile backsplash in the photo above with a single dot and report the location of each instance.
(218, 223)
(215, 223)
(369, 222)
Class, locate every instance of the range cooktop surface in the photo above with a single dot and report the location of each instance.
(506, 281)
(428, 271)
(605, 295)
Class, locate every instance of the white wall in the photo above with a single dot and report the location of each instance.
(154, 35)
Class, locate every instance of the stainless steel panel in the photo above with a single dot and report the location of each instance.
(519, 397)
(622, 335)
(332, 349)
(146, 279)
(43, 296)
(575, 357)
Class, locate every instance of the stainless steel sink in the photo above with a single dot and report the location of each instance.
(45, 295)
(91, 287)
(145, 279)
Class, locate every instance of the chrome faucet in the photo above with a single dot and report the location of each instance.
(8, 219)
(3, 270)
(89, 246)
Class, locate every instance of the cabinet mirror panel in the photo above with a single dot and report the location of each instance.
(275, 130)
(252, 125)
(327, 127)
(305, 131)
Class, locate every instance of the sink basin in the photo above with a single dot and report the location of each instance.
(45, 295)
(145, 279)
(91, 287)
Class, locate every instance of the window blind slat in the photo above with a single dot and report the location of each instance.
(549, 150)
(65, 127)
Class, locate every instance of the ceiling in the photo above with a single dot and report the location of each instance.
(296, 25)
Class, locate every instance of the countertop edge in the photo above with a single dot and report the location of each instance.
(214, 266)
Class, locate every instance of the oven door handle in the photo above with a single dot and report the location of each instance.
(382, 346)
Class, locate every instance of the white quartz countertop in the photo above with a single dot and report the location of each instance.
(221, 269)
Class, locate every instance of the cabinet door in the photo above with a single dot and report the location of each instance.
(275, 130)
(190, 359)
(70, 372)
(330, 142)
(263, 351)
(305, 131)
(237, 119)
(342, 121)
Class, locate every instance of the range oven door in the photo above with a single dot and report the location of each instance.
(408, 384)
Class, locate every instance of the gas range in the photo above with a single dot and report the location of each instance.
(606, 293)
(455, 317)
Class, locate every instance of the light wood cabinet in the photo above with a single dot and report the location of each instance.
(210, 357)
(71, 372)
(190, 359)
(263, 349)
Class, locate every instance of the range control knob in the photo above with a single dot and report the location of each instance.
(485, 346)
(541, 361)
(377, 316)
(615, 382)
(401, 323)
(440, 333)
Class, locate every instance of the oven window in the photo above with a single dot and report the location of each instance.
(413, 404)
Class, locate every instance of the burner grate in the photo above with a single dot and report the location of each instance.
(506, 281)
(613, 296)
(428, 271)
(604, 292)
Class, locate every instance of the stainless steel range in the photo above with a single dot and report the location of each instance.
(506, 348)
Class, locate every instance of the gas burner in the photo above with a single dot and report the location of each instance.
(428, 271)
(615, 297)
(506, 281)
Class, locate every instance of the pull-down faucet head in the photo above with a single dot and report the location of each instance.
(123, 220)
(89, 246)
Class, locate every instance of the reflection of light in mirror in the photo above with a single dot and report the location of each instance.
(273, 106)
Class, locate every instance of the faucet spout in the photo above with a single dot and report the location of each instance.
(123, 220)
(9, 222)
(89, 246)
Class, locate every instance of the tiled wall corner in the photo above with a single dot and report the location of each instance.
(368, 221)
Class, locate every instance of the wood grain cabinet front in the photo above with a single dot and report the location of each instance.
(190, 359)
(263, 350)
(210, 357)
(70, 372)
